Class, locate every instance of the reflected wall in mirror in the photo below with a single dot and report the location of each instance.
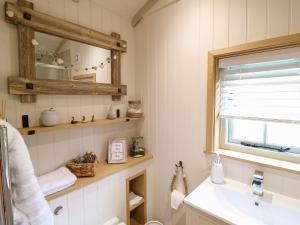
(62, 59)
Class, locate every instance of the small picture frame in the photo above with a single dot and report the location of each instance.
(117, 151)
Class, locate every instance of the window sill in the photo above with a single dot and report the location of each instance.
(260, 160)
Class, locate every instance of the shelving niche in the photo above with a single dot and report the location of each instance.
(137, 214)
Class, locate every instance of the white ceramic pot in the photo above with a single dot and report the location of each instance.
(49, 118)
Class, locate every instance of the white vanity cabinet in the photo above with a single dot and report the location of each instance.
(197, 217)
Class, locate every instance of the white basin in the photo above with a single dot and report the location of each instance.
(233, 202)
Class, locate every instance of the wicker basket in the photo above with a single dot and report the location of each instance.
(82, 169)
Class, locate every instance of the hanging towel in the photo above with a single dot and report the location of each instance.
(27, 196)
(177, 198)
(56, 181)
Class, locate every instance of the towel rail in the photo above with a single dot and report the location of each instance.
(6, 211)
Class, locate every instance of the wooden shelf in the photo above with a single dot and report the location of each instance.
(103, 170)
(40, 129)
(137, 205)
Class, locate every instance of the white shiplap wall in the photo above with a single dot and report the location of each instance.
(171, 60)
(95, 204)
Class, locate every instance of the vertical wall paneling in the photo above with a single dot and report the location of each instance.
(256, 20)
(90, 207)
(57, 8)
(220, 23)
(75, 207)
(278, 17)
(294, 16)
(71, 12)
(46, 156)
(63, 217)
(237, 22)
(221, 15)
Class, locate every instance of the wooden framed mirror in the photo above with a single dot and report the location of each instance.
(60, 57)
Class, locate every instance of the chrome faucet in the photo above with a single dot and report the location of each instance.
(257, 185)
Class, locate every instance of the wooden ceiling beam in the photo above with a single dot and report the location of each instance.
(141, 13)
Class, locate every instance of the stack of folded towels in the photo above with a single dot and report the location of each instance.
(57, 180)
(134, 199)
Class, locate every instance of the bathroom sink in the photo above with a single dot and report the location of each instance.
(233, 203)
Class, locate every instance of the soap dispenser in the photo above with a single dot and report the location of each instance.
(217, 172)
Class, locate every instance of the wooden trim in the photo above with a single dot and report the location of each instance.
(270, 44)
(62, 28)
(138, 184)
(84, 77)
(22, 86)
(26, 61)
(210, 110)
(244, 49)
(116, 67)
(62, 126)
(261, 161)
(142, 11)
(103, 170)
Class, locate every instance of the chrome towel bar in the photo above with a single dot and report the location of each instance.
(6, 211)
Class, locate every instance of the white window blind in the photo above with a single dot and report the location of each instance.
(265, 90)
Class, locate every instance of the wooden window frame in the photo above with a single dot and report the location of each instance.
(212, 120)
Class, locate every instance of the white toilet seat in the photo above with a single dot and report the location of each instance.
(153, 223)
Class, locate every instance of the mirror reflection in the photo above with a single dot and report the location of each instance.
(62, 59)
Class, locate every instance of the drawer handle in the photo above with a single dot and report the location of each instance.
(58, 210)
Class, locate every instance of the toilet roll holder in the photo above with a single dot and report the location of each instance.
(178, 169)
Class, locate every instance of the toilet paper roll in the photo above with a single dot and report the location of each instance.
(112, 221)
(177, 198)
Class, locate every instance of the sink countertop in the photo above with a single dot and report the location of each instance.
(233, 203)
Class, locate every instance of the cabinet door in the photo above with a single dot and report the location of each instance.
(198, 218)
(62, 215)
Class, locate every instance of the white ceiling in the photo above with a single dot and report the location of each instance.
(126, 8)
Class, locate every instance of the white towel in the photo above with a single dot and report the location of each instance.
(28, 199)
(56, 181)
(134, 199)
(177, 198)
(113, 221)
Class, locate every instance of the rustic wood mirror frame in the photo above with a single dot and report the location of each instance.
(212, 121)
(27, 86)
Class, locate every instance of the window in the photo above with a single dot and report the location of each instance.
(259, 103)
(268, 136)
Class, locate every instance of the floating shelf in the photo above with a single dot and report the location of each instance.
(103, 170)
(40, 129)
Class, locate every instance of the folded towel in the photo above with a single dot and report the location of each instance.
(134, 199)
(28, 199)
(112, 221)
(56, 181)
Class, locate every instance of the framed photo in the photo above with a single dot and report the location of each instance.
(117, 151)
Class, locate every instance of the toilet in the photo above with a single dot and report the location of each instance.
(153, 223)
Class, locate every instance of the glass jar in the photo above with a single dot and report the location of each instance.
(134, 109)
